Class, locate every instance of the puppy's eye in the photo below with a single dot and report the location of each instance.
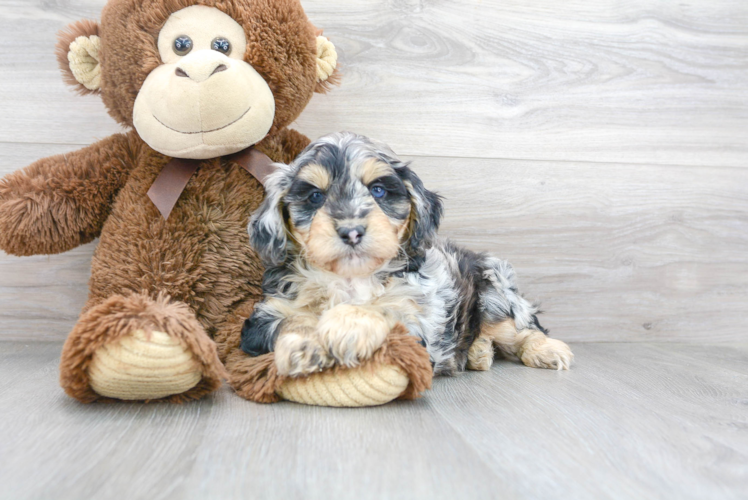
(317, 198)
(221, 45)
(182, 45)
(378, 191)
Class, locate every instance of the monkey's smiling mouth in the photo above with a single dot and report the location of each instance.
(202, 131)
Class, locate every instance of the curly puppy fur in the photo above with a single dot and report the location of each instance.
(349, 236)
(200, 257)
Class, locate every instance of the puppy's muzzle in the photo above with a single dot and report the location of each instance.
(352, 236)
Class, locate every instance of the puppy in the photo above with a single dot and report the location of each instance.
(349, 237)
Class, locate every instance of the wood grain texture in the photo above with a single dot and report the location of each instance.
(628, 421)
(40, 296)
(612, 251)
(640, 81)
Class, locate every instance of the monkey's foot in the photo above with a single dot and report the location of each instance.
(139, 349)
(143, 365)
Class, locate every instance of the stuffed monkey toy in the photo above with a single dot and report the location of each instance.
(208, 89)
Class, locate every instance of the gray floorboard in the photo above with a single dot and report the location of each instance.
(637, 420)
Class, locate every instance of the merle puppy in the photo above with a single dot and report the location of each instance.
(349, 237)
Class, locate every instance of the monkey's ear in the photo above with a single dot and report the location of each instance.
(327, 65)
(78, 53)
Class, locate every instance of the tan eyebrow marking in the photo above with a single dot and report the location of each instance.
(317, 175)
(372, 170)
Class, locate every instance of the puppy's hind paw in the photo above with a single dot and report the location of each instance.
(547, 353)
(297, 355)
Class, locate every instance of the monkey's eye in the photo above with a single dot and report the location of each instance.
(221, 45)
(378, 191)
(317, 198)
(182, 45)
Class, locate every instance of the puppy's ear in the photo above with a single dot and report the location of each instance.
(425, 213)
(267, 228)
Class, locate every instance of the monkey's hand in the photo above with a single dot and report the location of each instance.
(60, 202)
(351, 334)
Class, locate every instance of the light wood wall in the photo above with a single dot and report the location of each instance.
(600, 146)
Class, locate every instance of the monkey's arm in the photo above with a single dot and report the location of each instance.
(60, 202)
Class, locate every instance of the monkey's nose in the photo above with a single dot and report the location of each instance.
(351, 236)
(182, 73)
(200, 67)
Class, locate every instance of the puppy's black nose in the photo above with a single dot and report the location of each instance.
(352, 235)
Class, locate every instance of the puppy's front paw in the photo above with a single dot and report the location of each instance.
(297, 355)
(352, 334)
(547, 353)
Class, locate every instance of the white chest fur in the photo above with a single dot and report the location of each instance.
(354, 291)
(319, 290)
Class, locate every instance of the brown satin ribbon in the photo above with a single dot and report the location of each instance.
(170, 183)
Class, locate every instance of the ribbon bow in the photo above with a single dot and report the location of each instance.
(170, 183)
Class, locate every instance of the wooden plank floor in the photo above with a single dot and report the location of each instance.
(629, 421)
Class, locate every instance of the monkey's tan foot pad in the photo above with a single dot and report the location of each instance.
(400, 369)
(142, 366)
(139, 348)
(355, 387)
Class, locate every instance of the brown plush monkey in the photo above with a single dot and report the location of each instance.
(173, 276)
